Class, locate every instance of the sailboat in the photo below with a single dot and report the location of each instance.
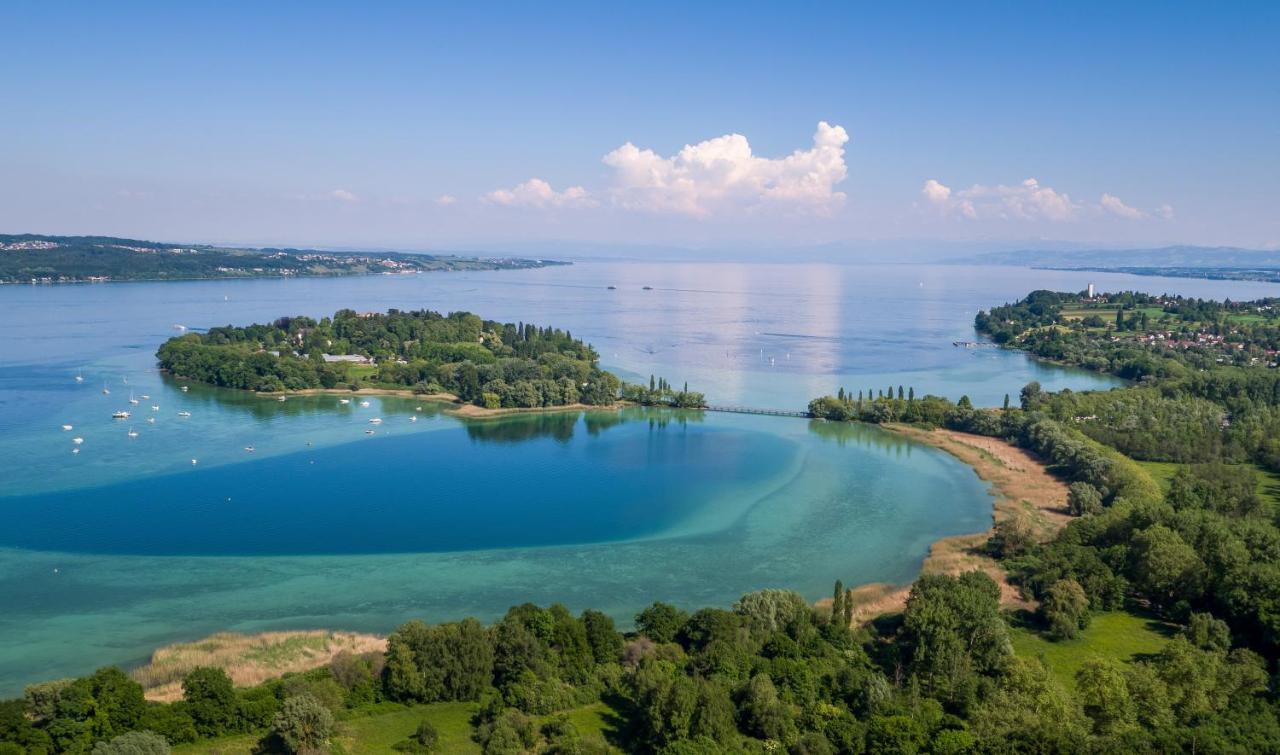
(133, 433)
(132, 400)
(105, 390)
(80, 376)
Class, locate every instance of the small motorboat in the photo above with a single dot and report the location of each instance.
(376, 421)
(648, 288)
(133, 433)
(414, 418)
(184, 414)
(344, 401)
(66, 427)
(193, 462)
(613, 288)
(184, 389)
(368, 432)
(122, 414)
(418, 409)
(77, 440)
(249, 449)
(281, 399)
(75, 450)
(152, 420)
(145, 397)
(155, 407)
(364, 404)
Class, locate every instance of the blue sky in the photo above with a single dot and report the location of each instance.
(414, 126)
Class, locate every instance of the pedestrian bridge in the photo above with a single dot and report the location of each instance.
(754, 410)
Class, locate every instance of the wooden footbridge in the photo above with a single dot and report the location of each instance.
(754, 410)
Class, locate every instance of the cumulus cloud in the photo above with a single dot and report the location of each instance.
(342, 195)
(1117, 207)
(723, 174)
(1027, 201)
(444, 200)
(538, 193)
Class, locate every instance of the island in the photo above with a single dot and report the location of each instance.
(31, 258)
(458, 356)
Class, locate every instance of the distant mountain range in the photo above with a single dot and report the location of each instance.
(31, 258)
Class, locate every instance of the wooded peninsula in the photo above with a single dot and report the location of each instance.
(30, 258)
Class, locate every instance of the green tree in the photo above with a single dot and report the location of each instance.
(604, 639)
(303, 725)
(211, 700)
(1065, 609)
(660, 621)
(1103, 691)
(134, 743)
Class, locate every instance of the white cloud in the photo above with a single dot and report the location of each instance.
(444, 200)
(1117, 207)
(722, 174)
(538, 193)
(342, 195)
(1027, 201)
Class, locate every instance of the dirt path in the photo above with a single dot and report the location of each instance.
(1022, 488)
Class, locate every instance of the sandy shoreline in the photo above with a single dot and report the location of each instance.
(1022, 488)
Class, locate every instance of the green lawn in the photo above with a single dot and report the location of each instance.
(1120, 635)
(1268, 482)
(372, 731)
(1160, 471)
(376, 729)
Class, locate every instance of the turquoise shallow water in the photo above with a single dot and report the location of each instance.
(108, 553)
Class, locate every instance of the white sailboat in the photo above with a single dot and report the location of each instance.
(133, 433)
(80, 376)
(132, 400)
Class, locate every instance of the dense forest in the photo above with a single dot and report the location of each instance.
(67, 259)
(491, 364)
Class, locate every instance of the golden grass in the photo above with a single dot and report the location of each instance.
(248, 659)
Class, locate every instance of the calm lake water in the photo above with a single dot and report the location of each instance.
(127, 545)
